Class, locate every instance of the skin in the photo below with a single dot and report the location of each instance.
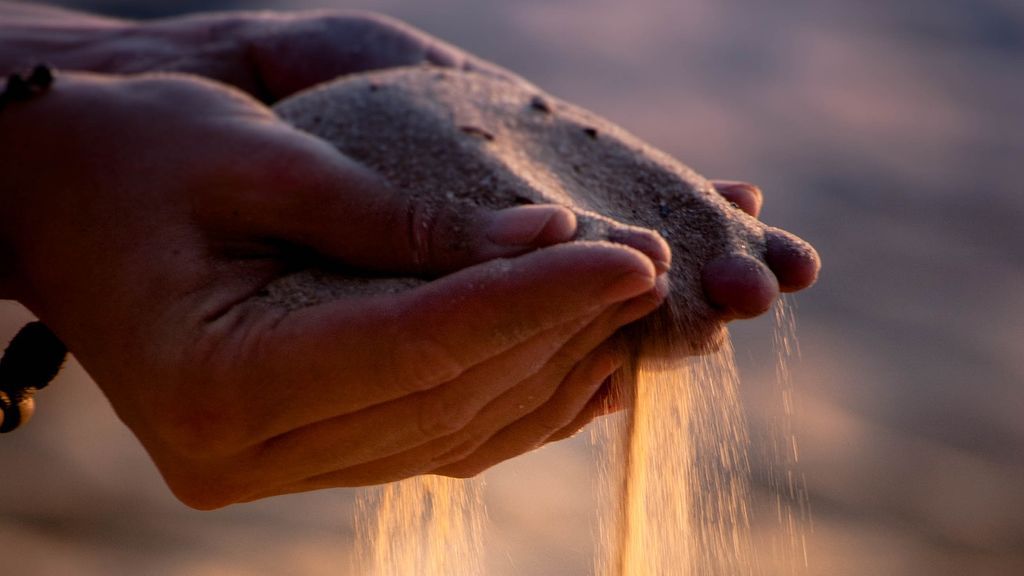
(145, 210)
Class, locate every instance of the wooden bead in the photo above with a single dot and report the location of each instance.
(18, 88)
(6, 422)
(41, 77)
(14, 415)
(31, 360)
(26, 409)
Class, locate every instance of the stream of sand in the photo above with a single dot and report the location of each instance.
(676, 474)
(422, 526)
(675, 490)
(678, 490)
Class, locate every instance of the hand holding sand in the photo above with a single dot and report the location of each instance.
(180, 207)
(177, 201)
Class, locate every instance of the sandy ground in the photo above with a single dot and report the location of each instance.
(888, 135)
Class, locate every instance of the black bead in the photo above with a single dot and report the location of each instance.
(11, 412)
(18, 88)
(41, 77)
(31, 360)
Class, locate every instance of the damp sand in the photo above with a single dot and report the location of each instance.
(677, 478)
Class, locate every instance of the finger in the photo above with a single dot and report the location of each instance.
(313, 47)
(745, 196)
(534, 430)
(419, 339)
(305, 193)
(605, 400)
(521, 410)
(570, 409)
(739, 285)
(652, 244)
(423, 459)
(346, 442)
(794, 262)
(516, 404)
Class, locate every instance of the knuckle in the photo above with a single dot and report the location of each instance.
(386, 40)
(422, 362)
(379, 21)
(200, 428)
(412, 238)
(460, 449)
(465, 470)
(442, 414)
(202, 492)
(562, 409)
(555, 419)
(389, 28)
(426, 238)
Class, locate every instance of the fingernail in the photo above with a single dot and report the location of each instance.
(744, 195)
(538, 225)
(735, 185)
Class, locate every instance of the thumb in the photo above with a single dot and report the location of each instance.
(315, 197)
(295, 51)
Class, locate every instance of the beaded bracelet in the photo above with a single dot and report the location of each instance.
(35, 355)
(20, 88)
(31, 360)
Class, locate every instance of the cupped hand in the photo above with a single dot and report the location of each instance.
(146, 215)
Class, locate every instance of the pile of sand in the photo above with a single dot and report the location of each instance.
(463, 137)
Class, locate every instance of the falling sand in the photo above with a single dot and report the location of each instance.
(676, 483)
(425, 525)
(677, 478)
(676, 473)
(674, 489)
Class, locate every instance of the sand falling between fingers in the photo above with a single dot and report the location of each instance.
(678, 493)
(675, 488)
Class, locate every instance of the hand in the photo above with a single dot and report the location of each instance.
(144, 214)
(146, 267)
(267, 54)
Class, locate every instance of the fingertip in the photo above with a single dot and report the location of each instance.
(534, 225)
(642, 305)
(794, 262)
(739, 285)
(649, 242)
(606, 400)
(634, 274)
(561, 227)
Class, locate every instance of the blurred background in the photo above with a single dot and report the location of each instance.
(889, 134)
